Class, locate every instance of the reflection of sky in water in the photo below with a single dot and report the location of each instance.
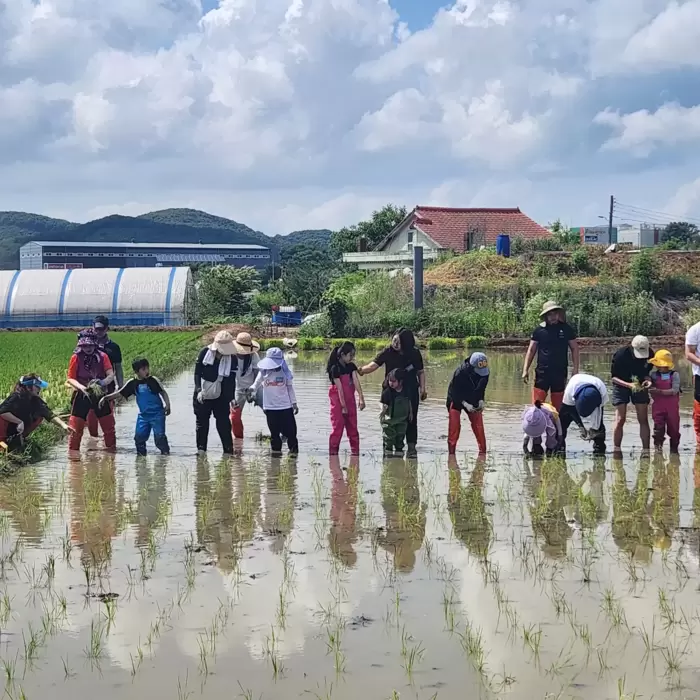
(353, 533)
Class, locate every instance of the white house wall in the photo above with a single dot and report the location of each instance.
(400, 242)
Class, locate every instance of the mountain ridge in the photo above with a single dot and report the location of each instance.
(178, 225)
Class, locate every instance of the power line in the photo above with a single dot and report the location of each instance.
(653, 214)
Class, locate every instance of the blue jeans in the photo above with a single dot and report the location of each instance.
(144, 424)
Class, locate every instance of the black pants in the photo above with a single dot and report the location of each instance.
(696, 386)
(203, 412)
(412, 429)
(282, 424)
(569, 415)
(81, 405)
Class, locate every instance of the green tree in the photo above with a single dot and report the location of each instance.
(564, 235)
(223, 290)
(681, 231)
(374, 230)
(644, 272)
(306, 273)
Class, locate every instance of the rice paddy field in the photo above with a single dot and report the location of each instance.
(341, 577)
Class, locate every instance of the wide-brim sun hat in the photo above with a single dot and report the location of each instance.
(640, 347)
(534, 422)
(223, 343)
(274, 358)
(663, 360)
(550, 306)
(245, 345)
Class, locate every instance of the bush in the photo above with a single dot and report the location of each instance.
(442, 343)
(644, 272)
(475, 341)
(267, 343)
(366, 344)
(311, 343)
(678, 286)
(691, 316)
(319, 326)
(581, 260)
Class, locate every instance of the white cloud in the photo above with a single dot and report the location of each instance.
(643, 131)
(302, 113)
(686, 200)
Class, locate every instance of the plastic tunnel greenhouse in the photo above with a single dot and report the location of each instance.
(157, 296)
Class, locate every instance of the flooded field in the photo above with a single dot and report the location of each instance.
(345, 578)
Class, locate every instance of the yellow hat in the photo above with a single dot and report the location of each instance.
(663, 359)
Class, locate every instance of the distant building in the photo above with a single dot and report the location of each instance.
(440, 229)
(596, 235)
(55, 255)
(640, 236)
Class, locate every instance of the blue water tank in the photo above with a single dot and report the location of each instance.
(503, 245)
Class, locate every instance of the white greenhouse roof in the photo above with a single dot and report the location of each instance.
(121, 244)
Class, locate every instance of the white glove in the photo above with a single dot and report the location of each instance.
(20, 428)
(584, 434)
(200, 398)
(468, 406)
(480, 407)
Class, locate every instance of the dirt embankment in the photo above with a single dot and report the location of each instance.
(494, 271)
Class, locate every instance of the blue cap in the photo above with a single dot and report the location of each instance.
(587, 399)
(480, 364)
(33, 381)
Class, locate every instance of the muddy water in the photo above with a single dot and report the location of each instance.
(251, 577)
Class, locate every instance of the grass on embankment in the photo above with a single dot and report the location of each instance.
(48, 354)
(374, 344)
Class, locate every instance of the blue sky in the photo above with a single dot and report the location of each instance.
(296, 114)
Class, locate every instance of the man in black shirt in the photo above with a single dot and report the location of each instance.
(551, 342)
(630, 378)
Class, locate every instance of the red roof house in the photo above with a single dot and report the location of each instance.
(465, 229)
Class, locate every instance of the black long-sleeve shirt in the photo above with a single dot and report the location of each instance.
(466, 385)
(210, 373)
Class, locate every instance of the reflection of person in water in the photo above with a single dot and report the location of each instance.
(93, 505)
(405, 514)
(152, 486)
(666, 499)
(470, 519)
(631, 523)
(279, 501)
(213, 504)
(15, 491)
(551, 491)
(343, 533)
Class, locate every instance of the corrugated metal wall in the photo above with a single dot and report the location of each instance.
(134, 296)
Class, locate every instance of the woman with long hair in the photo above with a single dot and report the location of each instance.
(345, 381)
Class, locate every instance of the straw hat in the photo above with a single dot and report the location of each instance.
(662, 359)
(550, 306)
(223, 343)
(245, 345)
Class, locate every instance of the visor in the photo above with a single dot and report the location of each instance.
(32, 381)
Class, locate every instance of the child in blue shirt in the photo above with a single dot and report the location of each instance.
(154, 405)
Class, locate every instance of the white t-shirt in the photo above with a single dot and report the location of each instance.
(278, 391)
(692, 337)
(593, 421)
(245, 381)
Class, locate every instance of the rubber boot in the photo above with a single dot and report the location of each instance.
(76, 436)
(411, 451)
(162, 444)
(92, 424)
(237, 422)
(109, 431)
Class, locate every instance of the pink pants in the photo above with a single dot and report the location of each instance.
(343, 422)
(665, 413)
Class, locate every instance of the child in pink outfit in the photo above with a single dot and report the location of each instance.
(345, 381)
(665, 391)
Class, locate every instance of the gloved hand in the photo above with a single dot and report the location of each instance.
(468, 406)
(295, 409)
(200, 398)
(480, 407)
(20, 428)
(584, 434)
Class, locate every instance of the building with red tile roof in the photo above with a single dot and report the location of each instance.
(438, 229)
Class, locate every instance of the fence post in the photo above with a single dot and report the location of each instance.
(418, 277)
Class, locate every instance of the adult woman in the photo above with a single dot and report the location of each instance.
(403, 354)
(24, 410)
(89, 372)
(214, 390)
(247, 358)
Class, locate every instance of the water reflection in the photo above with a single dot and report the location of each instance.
(405, 513)
(152, 486)
(279, 501)
(342, 535)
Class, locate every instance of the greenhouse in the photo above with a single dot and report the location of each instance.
(160, 296)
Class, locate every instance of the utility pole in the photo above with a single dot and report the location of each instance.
(610, 220)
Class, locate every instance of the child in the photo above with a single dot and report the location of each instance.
(665, 390)
(466, 392)
(153, 402)
(396, 413)
(279, 400)
(538, 420)
(342, 373)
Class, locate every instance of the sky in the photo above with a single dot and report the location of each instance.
(295, 114)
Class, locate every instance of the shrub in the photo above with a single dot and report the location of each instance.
(644, 272)
(475, 341)
(319, 326)
(311, 343)
(678, 286)
(267, 343)
(365, 344)
(581, 260)
(442, 343)
(691, 316)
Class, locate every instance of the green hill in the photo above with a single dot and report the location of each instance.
(165, 226)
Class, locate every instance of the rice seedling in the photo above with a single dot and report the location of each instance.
(621, 691)
(67, 672)
(9, 667)
(95, 647)
(182, 692)
(673, 657)
(532, 637)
